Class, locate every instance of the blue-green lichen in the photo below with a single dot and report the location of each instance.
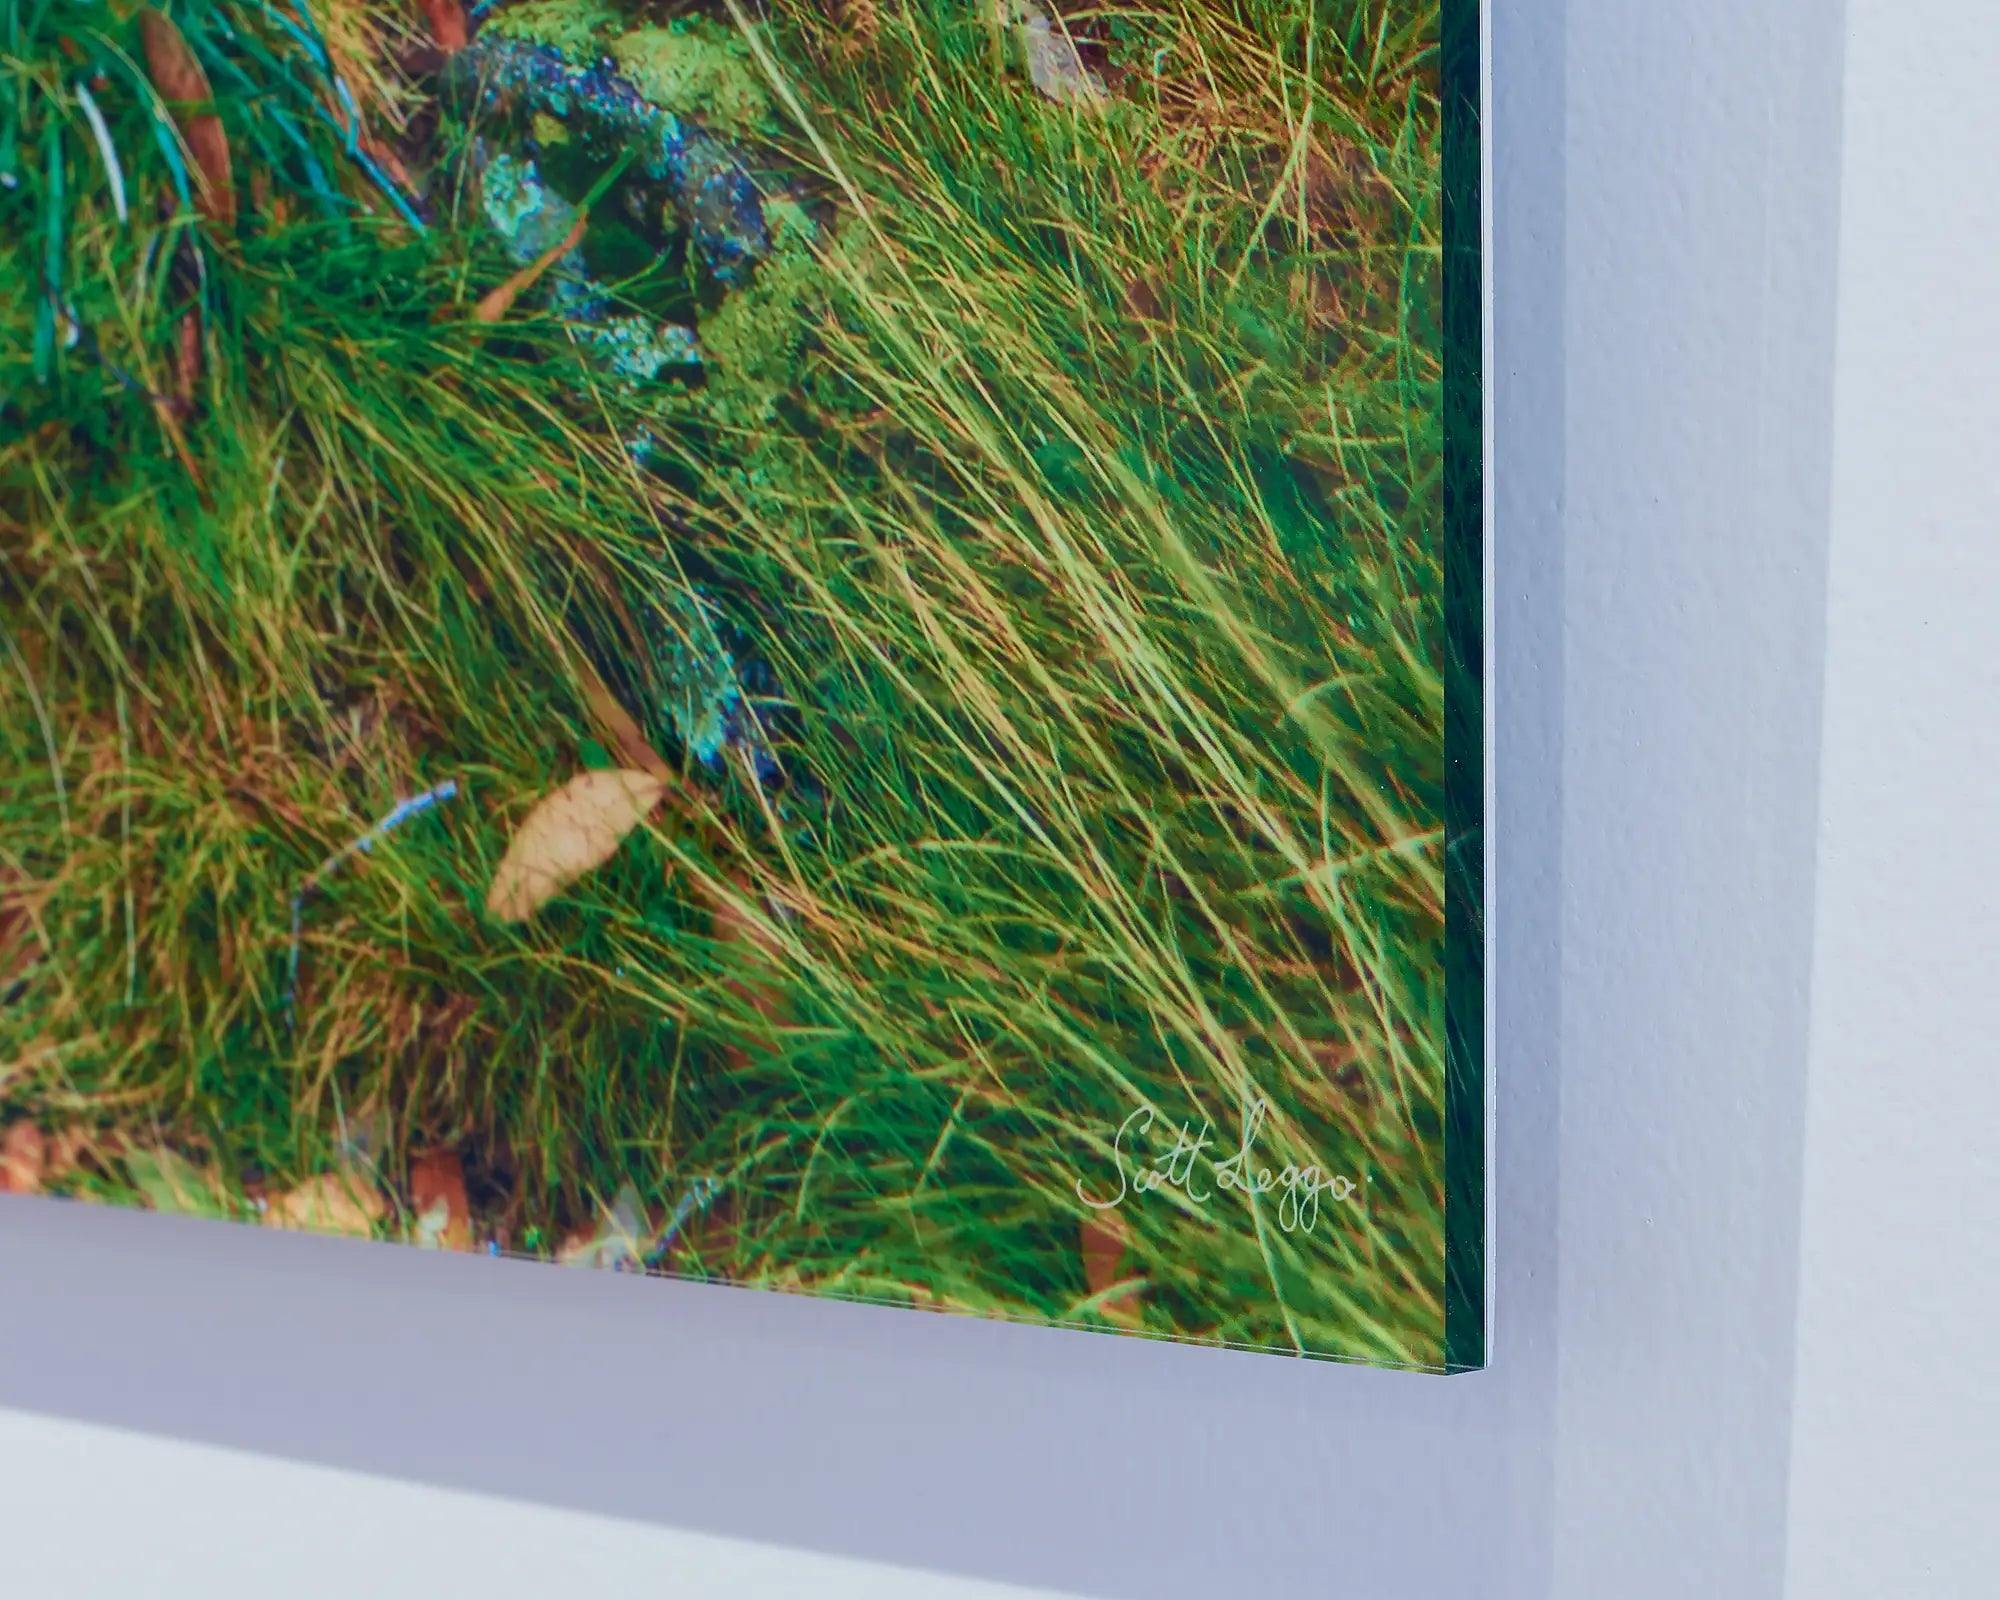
(530, 218)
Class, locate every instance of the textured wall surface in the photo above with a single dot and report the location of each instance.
(1896, 1453)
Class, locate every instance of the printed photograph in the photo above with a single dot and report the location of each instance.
(817, 645)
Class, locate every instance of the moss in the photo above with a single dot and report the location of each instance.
(575, 27)
(754, 343)
(699, 69)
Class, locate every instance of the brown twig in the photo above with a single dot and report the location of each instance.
(182, 84)
(496, 303)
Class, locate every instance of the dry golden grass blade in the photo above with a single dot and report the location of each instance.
(334, 1202)
(178, 76)
(577, 828)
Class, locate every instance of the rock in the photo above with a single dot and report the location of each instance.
(1054, 66)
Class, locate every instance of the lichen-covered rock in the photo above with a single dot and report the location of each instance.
(1054, 65)
(575, 27)
(700, 178)
(701, 70)
(552, 87)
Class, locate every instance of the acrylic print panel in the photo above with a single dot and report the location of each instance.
(830, 645)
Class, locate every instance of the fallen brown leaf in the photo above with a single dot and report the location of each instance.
(568, 833)
(187, 353)
(23, 1158)
(20, 945)
(1104, 1240)
(729, 920)
(496, 303)
(448, 27)
(334, 1202)
(182, 83)
(438, 1197)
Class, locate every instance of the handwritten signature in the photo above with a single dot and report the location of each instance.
(1300, 1187)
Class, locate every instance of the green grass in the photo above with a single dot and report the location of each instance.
(1081, 484)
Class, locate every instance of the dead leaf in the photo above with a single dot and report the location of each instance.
(730, 922)
(438, 1197)
(181, 82)
(496, 303)
(187, 353)
(334, 1202)
(20, 943)
(23, 1158)
(449, 31)
(568, 833)
(168, 1181)
(1104, 1239)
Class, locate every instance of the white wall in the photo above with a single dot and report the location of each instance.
(90, 1513)
(1700, 207)
(1896, 1458)
(1667, 222)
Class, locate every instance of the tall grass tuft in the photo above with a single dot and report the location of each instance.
(1075, 471)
